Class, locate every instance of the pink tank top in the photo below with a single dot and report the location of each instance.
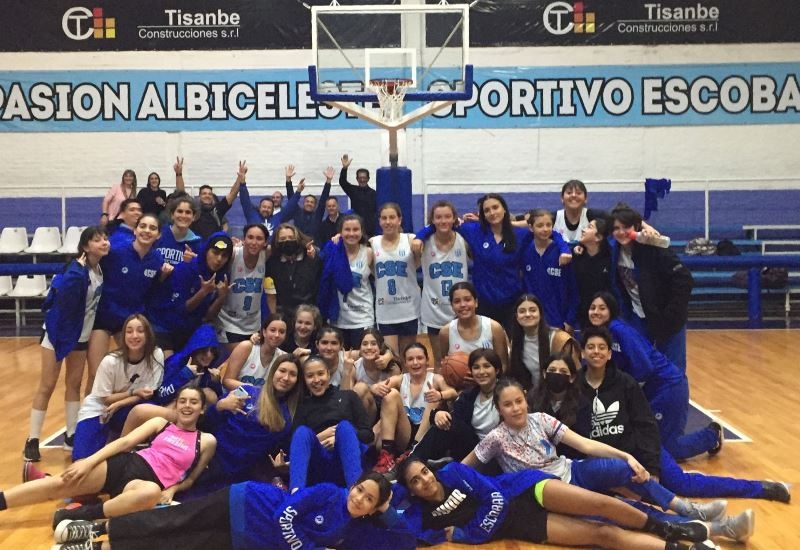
(172, 454)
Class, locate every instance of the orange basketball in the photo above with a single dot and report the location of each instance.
(454, 369)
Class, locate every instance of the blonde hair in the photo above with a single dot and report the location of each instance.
(269, 409)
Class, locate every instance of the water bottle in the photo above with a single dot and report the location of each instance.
(660, 241)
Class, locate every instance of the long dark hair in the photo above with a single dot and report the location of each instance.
(611, 304)
(509, 237)
(541, 400)
(517, 367)
(384, 485)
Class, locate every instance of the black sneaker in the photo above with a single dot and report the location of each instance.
(65, 513)
(705, 545)
(69, 442)
(31, 452)
(74, 530)
(694, 531)
(717, 427)
(776, 490)
(438, 463)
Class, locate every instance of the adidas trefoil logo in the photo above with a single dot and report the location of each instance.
(602, 417)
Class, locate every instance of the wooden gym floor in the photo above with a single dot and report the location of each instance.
(747, 378)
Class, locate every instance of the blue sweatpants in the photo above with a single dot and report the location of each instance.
(700, 485)
(91, 435)
(602, 474)
(311, 463)
(674, 347)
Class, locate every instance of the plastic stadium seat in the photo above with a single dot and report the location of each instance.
(45, 240)
(13, 240)
(5, 284)
(28, 286)
(71, 238)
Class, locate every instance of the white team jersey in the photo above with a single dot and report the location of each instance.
(357, 311)
(363, 376)
(253, 371)
(570, 235)
(440, 271)
(241, 313)
(483, 341)
(396, 287)
(414, 404)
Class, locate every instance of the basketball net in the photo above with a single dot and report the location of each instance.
(390, 92)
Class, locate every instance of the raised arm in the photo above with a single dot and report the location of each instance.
(346, 186)
(289, 172)
(180, 185)
(241, 176)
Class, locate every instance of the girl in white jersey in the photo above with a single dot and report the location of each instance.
(469, 331)
(444, 263)
(420, 392)
(356, 310)
(397, 293)
(250, 363)
(366, 369)
(240, 315)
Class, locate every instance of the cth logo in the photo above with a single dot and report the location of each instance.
(563, 18)
(82, 23)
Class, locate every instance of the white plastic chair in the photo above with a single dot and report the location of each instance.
(46, 240)
(28, 286)
(5, 284)
(71, 238)
(13, 240)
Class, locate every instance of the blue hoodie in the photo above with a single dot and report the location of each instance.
(166, 307)
(265, 517)
(492, 493)
(336, 277)
(242, 441)
(177, 374)
(554, 285)
(65, 306)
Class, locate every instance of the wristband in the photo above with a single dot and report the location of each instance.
(104, 214)
(178, 174)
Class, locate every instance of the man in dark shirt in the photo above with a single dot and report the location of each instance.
(363, 198)
(212, 211)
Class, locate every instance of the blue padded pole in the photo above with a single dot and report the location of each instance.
(754, 297)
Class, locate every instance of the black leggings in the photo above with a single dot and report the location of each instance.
(199, 524)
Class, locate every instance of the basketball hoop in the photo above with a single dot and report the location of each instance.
(390, 92)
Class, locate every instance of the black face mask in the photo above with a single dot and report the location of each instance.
(556, 382)
(288, 248)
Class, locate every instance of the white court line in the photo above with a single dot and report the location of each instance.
(742, 437)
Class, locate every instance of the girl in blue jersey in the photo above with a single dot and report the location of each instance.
(458, 504)
(664, 384)
(131, 272)
(249, 363)
(397, 294)
(178, 243)
(193, 294)
(331, 431)
(259, 516)
(543, 276)
(70, 310)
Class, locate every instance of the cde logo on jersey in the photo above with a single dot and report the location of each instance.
(79, 23)
(563, 18)
(602, 417)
